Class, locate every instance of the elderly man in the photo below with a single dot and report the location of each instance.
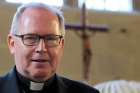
(36, 40)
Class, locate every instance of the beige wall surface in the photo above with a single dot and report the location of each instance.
(116, 55)
(6, 12)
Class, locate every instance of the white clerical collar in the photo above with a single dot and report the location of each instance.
(35, 86)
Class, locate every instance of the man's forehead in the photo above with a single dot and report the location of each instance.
(38, 19)
(37, 11)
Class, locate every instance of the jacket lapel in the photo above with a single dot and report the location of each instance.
(11, 84)
(62, 88)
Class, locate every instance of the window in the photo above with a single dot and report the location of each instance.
(110, 5)
(50, 2)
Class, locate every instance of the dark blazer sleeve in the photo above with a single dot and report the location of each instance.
(78, 87)
(8, 83)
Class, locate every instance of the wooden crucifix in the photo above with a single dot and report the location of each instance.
(82, 30)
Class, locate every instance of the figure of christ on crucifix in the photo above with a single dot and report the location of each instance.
(87, 53)
(85, 32)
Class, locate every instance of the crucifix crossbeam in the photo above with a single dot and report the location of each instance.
(84, 26)
(85, 36)
(95, 28)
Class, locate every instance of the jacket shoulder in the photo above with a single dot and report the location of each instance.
(3, 79)
(78, 87)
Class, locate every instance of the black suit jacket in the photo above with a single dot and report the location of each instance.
(9, 84)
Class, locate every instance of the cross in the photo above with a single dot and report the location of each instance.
(82, 30)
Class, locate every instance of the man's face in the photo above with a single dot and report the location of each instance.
(36, 62)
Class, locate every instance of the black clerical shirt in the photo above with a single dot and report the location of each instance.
(50, 86)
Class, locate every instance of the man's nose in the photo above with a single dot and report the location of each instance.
(41, 47)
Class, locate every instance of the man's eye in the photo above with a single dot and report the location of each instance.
(30, 38)
(51, 38)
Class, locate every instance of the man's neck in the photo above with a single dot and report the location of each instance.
(28, 85)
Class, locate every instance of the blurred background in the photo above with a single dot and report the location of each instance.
(115, 54)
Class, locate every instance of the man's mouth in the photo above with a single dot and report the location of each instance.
(40, 60)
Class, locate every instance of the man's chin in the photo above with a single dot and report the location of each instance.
(41, 76)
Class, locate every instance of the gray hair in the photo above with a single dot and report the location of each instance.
(20, 10)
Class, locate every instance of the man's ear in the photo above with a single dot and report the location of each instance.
(10, 42)
(62, 43)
